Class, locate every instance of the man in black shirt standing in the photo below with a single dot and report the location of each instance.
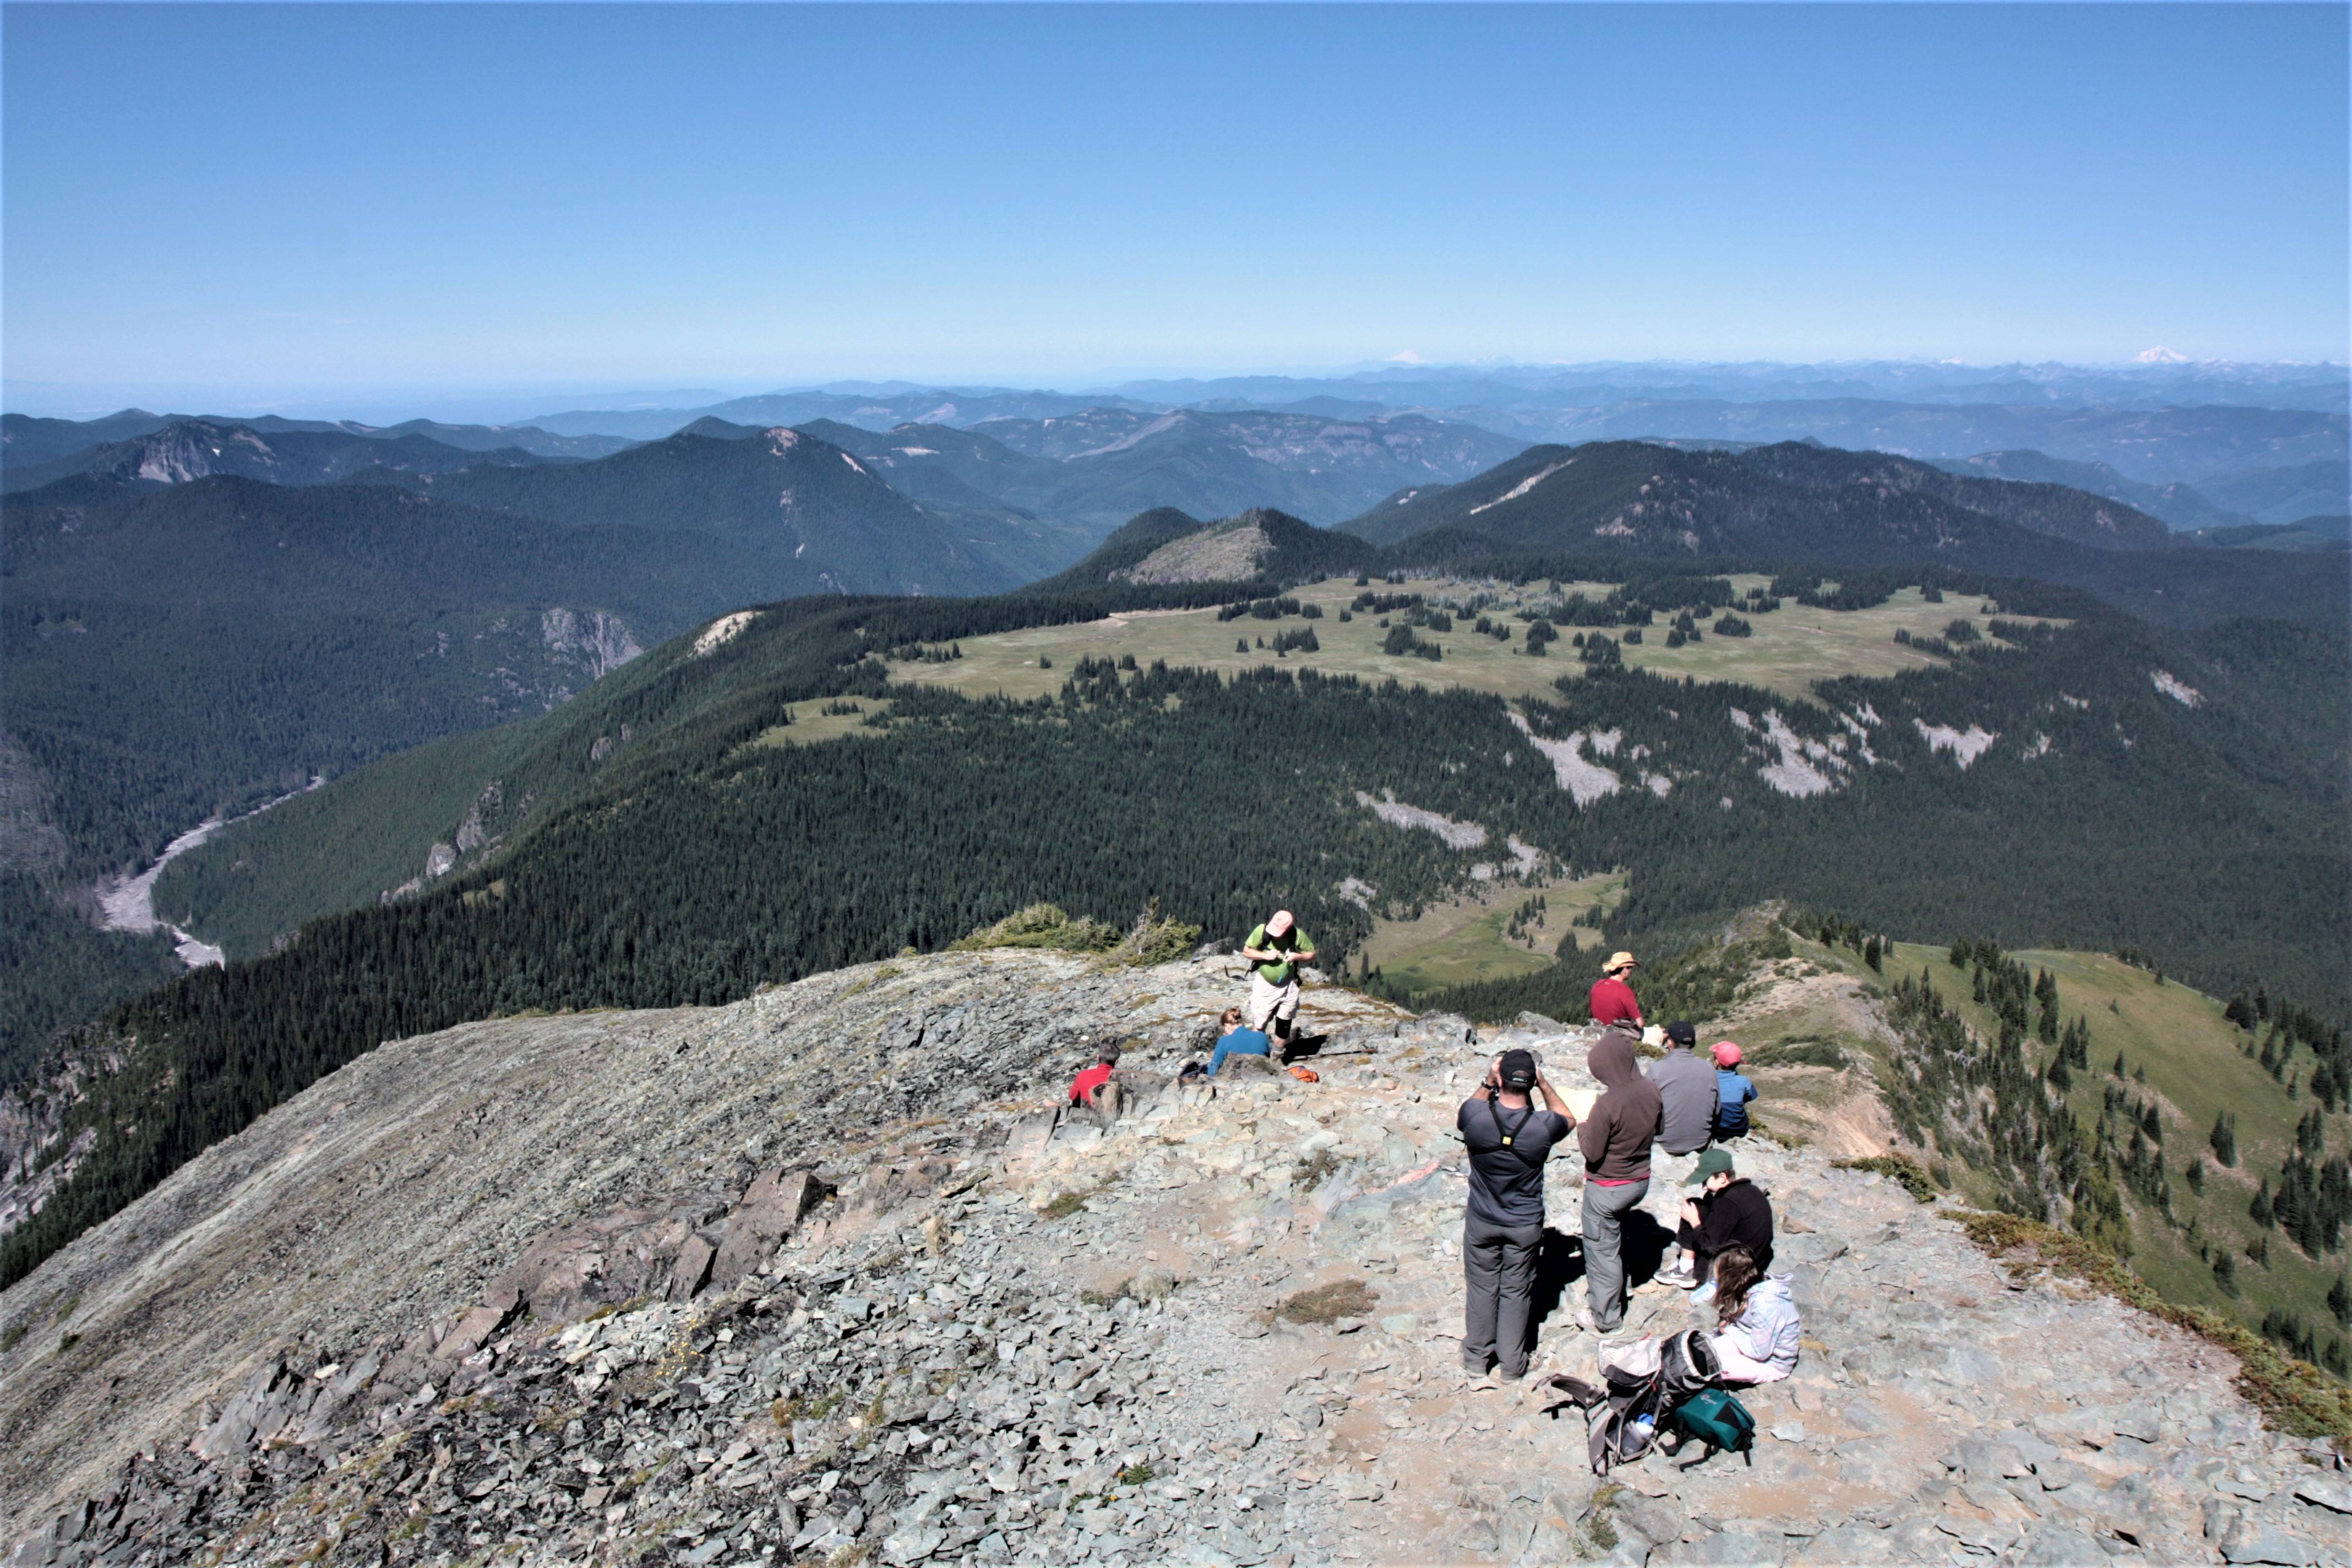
(1508, 1139)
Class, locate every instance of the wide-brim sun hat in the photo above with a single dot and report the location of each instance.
(1618, 960)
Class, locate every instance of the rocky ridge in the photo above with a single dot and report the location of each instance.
(826, 1275)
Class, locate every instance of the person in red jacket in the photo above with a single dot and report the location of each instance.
(1613, 1002)
(1095, 1089)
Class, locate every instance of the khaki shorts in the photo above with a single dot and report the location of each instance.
(1268, 1002)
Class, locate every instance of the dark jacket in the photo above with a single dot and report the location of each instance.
(1739, 1215)
(1688, 1094)
(1616, 1137)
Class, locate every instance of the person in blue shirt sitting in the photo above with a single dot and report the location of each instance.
(1732, 1093)
(1236, 1041)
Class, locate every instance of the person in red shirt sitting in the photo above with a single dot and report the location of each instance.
(1095, 1089)
(1613, 1000)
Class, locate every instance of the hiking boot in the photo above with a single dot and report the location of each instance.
(1584, 1320)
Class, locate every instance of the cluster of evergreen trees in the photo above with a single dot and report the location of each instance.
(1400, 641)
(2283, 1027)
(2313, 1198)
(1269, 609)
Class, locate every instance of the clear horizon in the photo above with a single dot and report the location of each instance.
(245, 209)
(493, 405)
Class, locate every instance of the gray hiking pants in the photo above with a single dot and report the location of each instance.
(1499, 1279)
(1604, 1260)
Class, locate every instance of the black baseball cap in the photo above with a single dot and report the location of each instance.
(1518, 1071)
(1682, 1033)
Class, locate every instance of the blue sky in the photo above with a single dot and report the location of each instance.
(265, 202)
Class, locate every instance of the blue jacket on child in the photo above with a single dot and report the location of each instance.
(1732, 1094)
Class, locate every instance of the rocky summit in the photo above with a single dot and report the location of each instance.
(831, 1275)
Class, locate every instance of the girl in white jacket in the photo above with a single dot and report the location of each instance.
(1757, 1327)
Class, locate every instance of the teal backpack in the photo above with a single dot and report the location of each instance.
(1717, 1419)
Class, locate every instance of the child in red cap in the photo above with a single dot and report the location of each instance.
(1732, 1093)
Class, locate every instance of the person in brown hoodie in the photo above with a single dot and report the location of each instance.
(1615, 1140)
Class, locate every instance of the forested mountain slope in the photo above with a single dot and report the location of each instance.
(940, 464)
(2285, 494)
(1793, 498)
(187, 650)
(1167, 546)
(1795, 502)
(2179, 505)
(814, 508)
(2053, 782)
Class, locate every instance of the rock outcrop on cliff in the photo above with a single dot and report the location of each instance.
(828, 1276)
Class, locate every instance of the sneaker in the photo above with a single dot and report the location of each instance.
(1680, 1279)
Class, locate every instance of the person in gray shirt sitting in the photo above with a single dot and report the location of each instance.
(1688, 1092)
(1502, 1227)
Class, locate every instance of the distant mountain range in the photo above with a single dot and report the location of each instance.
(187, 449)
(2256, 428)
(1101, 462)
(2284, 495)
(27, 440)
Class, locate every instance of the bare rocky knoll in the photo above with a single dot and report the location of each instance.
(823, 1277)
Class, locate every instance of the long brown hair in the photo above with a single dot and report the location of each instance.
(1735, 1275)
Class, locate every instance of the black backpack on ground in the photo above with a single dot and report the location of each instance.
(1644, 1386)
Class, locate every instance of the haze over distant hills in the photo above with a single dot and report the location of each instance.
(2246, 428)
(27, 440)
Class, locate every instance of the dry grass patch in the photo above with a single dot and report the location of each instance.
(1327, 1304)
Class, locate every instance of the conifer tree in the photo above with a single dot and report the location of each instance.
(2224, 1137)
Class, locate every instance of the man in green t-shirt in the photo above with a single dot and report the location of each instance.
(1280, 949)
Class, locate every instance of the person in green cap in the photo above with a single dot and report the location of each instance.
(1280, 949)
(1729, 1211)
